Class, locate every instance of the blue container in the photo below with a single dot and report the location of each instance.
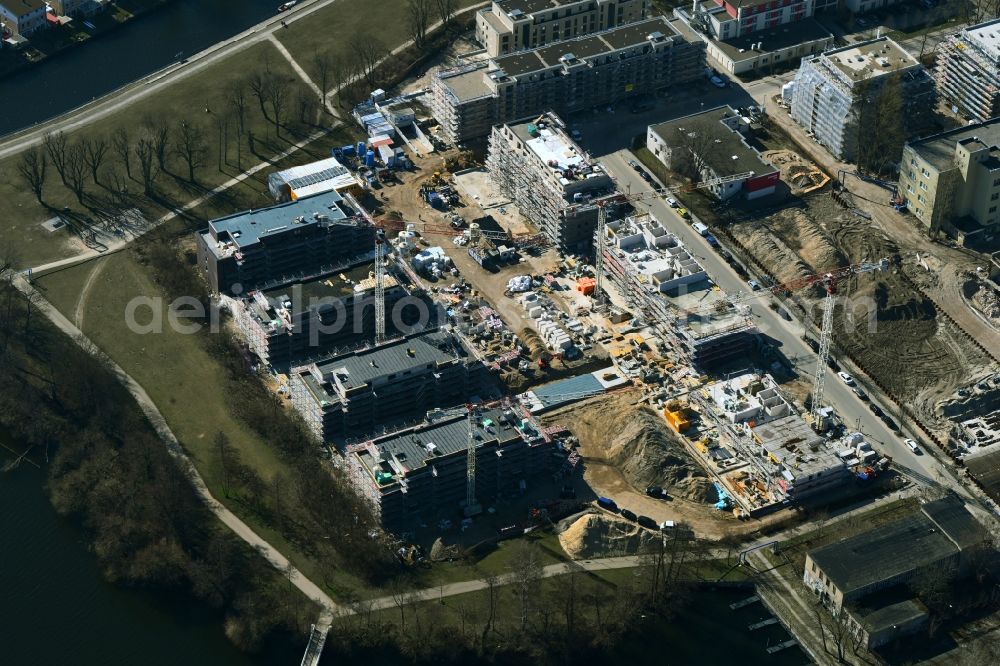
(370, 158)
(361, 148)
(348, 151)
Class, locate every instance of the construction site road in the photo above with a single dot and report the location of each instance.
(113, 102)
(787, 335)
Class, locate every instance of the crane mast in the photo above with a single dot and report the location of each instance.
(471, 505)
(379, 288)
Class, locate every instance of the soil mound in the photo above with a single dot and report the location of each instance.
(598, 535)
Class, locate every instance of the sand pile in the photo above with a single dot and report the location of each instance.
(648, 453)
(600, 535)
(987, 301)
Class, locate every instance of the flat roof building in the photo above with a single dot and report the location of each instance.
(507, 26)
(305, 180)
(355, 392)
(268, 247)
(550, 178)
(23, 17)
(420, 471)
(951, 181)
(755, 35)
(658, 276)
(843, 97)
(712, 144)
(568, 76)
(968, 70)
(292, 324)
(940, 535)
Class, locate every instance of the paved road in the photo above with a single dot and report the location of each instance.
(787, 335)
(117, 100)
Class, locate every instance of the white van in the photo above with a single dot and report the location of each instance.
(700, 228)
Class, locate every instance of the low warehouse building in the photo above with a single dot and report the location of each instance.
(712, 144)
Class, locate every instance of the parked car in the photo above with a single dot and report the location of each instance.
(628, 515)
(712, 240)
(654, 491)
(910, 444)
(646, 175)
(858, 391)
(667, 525)
(876, 410)
(754, 285)
(647, 522)
(813, 344)
(634, 165)
(846, 378)
(607, 503)
(718, 81)
(886, 419)
(672, 202)
(683, 212)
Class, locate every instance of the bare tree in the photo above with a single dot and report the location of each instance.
(33, 166)
(446, 11)
(229, 460)
(322, 66)
(278, 97)
(189, 145)
(122, 146)
(306, 103)
(76, 170)
(95, 149)
(260, 83)
(342, 71)
(369, 51)
(418, 14)
(236, 98)
(159, 137)
(526, 572)
(145, 154)
(55, 147)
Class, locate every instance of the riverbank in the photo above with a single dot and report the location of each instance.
(45, 45)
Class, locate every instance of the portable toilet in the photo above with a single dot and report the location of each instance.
(361, 148)
(370, 158)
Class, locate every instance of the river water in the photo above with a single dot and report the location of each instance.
(121, 56)
(56, 609)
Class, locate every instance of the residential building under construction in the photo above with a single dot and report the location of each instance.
(603, 68)
(843, 96)
(422, 470)
(968, 70)
(550, 178)
(665, 285)
(515, 25)
(278, 245)
(292, 324)
(357, 392)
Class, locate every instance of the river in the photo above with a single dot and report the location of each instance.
(56, 609)
(121, 56)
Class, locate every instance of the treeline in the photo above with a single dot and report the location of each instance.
(109, 471)
(316, 500)
(522, 617)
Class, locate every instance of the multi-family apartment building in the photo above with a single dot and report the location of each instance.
(951, 181)
(835, 95)
(599, 69)
(416, 473)
(551, 179)
(516, 25)
(357, 391)
(714, 142)
(751, 34)
(295, 241)
(22, 17)
(968, 70)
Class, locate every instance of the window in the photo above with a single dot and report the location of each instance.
(925, 172)
(996, 182)
(912, 175)
(923, 186)
(995, 196)
(920, 198)
(909, 188)
(992, 209)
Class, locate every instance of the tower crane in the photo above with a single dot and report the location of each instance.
(379, 287)
(826, 280)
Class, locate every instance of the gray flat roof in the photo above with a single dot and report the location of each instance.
(986, 36)
(529, 6)
(775, 39)
(448, 436)
(867, 60)
(468, 85)
(358, 368)
(728, 154)
(525, 62)
(893, 615)
(939, 149)
(248, 227)
(951, 516)
(897, 548)
(637, 33)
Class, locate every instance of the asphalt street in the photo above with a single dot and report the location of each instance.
(786, 335)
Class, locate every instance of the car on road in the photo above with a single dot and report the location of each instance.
(911, 445)
(718, 81)
(286, 6)
(672, 202)
(725, 254)
(634, 165)
(754, 285)
(628, 515)
(648, 522)
(712, 240)
(876, 410)
(846, 378)
(886, 419)
(646, 176)
(858, 391)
